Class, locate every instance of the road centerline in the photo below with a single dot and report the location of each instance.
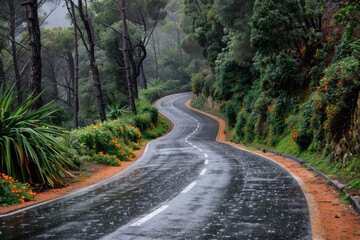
(189, 187)
(149, 216)
(203, 172)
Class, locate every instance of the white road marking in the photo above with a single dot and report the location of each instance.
(206, 161)
(203, 172)
(188, 188)
(149, 216)
(206, 156)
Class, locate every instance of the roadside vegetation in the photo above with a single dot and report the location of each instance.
(285, 75)
(37, 155)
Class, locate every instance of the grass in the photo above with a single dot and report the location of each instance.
(287, 145)
(354, 184)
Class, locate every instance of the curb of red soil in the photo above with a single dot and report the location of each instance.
(325, 206)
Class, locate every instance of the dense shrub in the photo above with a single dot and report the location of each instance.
(209, 86)
(106, 159)
(142, 121)
(230, 113)
(107, 142)
(241, 124)
(233, 78)
(197, 81)
(278, 74)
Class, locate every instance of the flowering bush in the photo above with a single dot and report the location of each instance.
(339, 88)
(108, 142)
(13, 192)
(106, 159)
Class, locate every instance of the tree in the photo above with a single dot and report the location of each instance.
(235, 17)
(75, 70)
(58, 63)
(12, 19)
(90, 48)
(13, 25)
(126, 54)
(147, 16)
(206, 29)
(178, 38)
(35, 49)
(273, 25)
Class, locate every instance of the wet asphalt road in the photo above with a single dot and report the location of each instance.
(186, 186)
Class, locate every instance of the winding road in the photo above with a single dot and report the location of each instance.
(185, 186)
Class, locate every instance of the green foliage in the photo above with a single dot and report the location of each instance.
(113, 141)
(116, 111)
(278, 74)
(106, 159)
(197, 81)
(31, 149)
(209, 86)
(155, 132)
(273, 24)
(233, 78)
(354, 184)
(230, 113)
(350, 11)
(13, 192)
(208, 31)
(159, 88)
(241, 124)
(232, 13)
(334, 101)
(107, 142)
(142, 121)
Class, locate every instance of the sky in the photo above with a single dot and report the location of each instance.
(58, 17)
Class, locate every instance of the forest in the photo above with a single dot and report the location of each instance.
(284, 74)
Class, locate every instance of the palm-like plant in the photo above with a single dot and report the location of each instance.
(30, 149)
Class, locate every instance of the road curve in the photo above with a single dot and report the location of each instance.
(185, 186)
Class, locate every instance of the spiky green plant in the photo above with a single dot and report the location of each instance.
(31, 150)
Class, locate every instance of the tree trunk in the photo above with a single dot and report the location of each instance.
(74, 76)
(14, 50)
(93, 65)
(74, 66)
(143, 76)
(155, 56)
(35, 49)
(126, 55)
(180, 53)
